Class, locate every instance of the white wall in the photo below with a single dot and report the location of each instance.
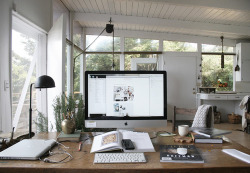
(5, 42)
(58, 10)
(37, 11)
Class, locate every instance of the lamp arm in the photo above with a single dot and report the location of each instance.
(82, 53)
(89, 45)
(30, 111)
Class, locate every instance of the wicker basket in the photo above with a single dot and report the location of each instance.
(234, 118)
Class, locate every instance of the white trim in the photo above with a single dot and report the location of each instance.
(164, 36)
(122, 56)
(82, 62)
(17, 15)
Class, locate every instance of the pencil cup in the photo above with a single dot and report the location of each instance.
(183, 130)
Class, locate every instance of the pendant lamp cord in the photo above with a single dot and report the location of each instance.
(113, 63)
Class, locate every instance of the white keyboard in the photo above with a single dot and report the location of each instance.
(119, 158)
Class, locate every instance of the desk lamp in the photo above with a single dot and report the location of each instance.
(42, 82)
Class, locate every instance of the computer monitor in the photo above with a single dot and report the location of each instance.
(125, 99)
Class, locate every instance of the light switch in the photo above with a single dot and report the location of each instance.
(6, 85)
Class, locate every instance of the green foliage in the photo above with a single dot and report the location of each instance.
(62, 104)
(98, 62)
(57, 105)
(42, 122)
(212, 72)
(80, 115)
(179, 46)
(134, 44)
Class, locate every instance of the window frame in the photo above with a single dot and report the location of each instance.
(28, 28)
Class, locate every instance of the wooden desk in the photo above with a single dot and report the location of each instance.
(215, 160)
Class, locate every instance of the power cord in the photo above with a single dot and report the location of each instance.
(64, 160)
(68, 158)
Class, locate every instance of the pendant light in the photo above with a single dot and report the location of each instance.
(110, 29)
(222, 53)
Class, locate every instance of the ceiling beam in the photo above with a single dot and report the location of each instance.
(240, 5)
(164, 23)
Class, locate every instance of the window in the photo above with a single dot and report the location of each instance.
(103, 58)
(137, 44)
(102, 44)
(27, 48)
(143, 47)
(177, 46)
(99, 62)
(216, 48)
(212, 73)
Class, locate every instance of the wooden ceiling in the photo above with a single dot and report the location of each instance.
(213, 18)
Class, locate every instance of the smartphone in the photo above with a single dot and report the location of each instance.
(128, 144)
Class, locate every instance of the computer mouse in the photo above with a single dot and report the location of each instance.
(182, 151)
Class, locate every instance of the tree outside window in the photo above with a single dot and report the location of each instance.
(143, 45)
(212, 73)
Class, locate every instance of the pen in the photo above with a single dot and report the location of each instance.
(80, 146)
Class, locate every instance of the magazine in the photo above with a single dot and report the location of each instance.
(168, 153)
(210, 132)
(112, 141)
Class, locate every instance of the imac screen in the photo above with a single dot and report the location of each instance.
(125, 95)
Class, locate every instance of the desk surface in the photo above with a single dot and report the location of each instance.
(215, 160)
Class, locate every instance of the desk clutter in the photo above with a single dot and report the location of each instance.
(209, 157)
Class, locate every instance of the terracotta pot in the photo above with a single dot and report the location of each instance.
(68, 126)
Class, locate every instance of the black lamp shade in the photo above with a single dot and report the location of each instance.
(44, 82)
(109, 28)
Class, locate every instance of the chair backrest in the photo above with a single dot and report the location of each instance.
(182, 111)
(210, 118)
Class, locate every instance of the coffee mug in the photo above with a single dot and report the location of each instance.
(183, 130)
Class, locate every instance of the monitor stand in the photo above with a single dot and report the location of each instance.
(125, 129)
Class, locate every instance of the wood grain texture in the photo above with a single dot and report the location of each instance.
(215, 160)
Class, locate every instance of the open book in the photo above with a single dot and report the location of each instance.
(112, 141)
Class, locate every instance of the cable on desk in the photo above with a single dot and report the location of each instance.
(64, 160)
(48, 160)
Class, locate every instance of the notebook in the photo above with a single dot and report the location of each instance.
(27, 149)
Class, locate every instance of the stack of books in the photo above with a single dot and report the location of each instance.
(74, 137)
(208, 135)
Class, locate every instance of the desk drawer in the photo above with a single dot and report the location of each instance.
(235, 97)
(217, 97)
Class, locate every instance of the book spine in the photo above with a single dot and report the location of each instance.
(208, 141)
